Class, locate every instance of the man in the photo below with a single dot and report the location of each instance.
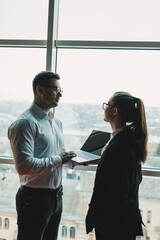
(38, 148)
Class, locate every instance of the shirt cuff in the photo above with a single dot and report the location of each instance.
(57, 160)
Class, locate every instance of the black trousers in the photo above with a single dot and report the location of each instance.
(38, 213)
(102, 235)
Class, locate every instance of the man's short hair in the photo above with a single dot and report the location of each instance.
(43, 78)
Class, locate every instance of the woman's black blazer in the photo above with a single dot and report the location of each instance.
(114, 205)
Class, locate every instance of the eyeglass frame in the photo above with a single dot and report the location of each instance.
(105, 105)
(58, 89)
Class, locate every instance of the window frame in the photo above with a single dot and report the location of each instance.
(52, 44)
(149, 217)
(72, 232)
(64, 231)
(6, 223)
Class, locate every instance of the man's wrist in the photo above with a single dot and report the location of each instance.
(57, 160)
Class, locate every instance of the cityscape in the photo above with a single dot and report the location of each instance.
(78, 122)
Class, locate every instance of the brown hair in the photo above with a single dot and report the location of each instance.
(132, 111)
(43, 78)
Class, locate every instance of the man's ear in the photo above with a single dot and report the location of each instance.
(115, 111)
(39, 89)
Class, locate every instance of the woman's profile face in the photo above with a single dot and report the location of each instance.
(108, 112)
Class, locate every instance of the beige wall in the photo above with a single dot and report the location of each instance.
(9, 233)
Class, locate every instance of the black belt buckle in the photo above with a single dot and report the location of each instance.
(59, 192)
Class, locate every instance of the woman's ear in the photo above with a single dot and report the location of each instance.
(115, 111)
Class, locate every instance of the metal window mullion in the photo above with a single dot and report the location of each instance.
(145, 171)
(23, 43)
(50, 35)
(53, 43)
(53, 13)
(133, 45)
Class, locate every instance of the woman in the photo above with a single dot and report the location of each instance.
(114, 208)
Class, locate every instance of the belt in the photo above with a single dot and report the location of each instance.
(58, 191)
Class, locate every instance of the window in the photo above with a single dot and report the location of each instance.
(24, 19)
(138, 238)
(109, 20)
(6, 223)
(149, 214)
(16, 91)
(64, 231)
(91, 69)
(142, 65)
(91, 236)
(93, 84)
(15, 235)
(72, 232)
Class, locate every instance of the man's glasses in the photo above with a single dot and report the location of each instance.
(57, 89)
(105, 105)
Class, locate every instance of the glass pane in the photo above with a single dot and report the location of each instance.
(78, 187)
(111, 20)
(150, 207)
(9, 184)
(17, 67)
(90, 77)
(77, 192)
(22, 19)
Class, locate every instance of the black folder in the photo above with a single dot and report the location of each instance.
(91, 149)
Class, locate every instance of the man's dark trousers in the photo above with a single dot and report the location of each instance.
(39, 213)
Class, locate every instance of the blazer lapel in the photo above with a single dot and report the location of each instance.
(104, 155)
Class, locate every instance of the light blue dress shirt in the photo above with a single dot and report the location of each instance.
(37, 140)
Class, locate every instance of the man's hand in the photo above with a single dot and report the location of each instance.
(66, 156)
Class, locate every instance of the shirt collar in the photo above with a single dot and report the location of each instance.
(117, 131)
(40, 113)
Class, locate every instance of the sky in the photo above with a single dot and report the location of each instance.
(87, 76)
